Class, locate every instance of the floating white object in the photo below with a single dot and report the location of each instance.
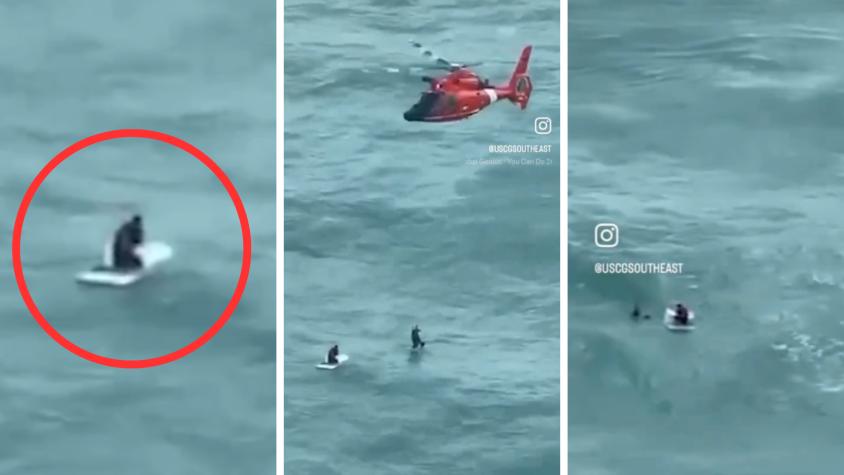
(341, 358)
(151, 254)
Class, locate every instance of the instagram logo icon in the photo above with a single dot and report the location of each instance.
(606, 235)
(542, 125)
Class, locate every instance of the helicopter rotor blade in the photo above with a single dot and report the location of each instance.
(436, 58)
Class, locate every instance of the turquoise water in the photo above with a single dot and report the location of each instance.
(390, 224)
(200, 70)
(708, 132)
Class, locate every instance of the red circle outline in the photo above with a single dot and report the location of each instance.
(244, 269)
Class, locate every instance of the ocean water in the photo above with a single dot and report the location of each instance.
(203, 71)
(390, 224)
(709, 133)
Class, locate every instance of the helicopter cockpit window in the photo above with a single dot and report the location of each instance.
(522, 85)
(426, 102)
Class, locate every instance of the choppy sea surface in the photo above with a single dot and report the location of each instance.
(390, 224)
(203, 71)
(709, 133)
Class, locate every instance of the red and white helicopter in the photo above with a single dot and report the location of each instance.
(461, 93)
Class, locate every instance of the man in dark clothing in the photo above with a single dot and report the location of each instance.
(332, 354)
(414, 337)
(681, 314)
(126, 239)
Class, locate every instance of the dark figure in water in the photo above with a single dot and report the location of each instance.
(415, 339)
(128, 237)
(681, 314)
(332, 354)
(637, 313)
